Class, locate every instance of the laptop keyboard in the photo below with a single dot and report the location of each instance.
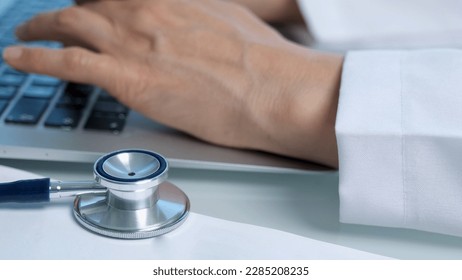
(38, 100)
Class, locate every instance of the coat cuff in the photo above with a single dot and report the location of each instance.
(399, 139)
(368, 130)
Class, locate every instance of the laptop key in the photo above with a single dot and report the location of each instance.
(64, 117)
(75, 96)
(110, 107)
(37, 91)
(79, 89)
(106, 121)
(27, 111)
(43, 80)
(10, 79)
(73, 101)
(105, 96)
(7, 92)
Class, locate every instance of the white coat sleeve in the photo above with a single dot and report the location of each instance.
(353, 24)
(399, 133)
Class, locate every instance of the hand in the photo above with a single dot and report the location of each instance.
(206, 67)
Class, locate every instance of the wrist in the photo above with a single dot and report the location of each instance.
(297, 117)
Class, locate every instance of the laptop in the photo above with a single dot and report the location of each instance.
(44, 118)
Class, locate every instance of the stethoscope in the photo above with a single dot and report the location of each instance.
(129, 198)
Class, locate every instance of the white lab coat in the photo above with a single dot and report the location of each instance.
(399, 121)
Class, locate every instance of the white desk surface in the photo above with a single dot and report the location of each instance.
(306, 205)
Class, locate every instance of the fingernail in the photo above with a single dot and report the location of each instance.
(12, 53)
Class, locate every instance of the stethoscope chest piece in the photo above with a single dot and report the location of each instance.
(139, 203)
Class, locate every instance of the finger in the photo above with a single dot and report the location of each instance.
(73, 64)
(71, 25)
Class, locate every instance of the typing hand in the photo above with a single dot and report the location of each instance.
(206, 67)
